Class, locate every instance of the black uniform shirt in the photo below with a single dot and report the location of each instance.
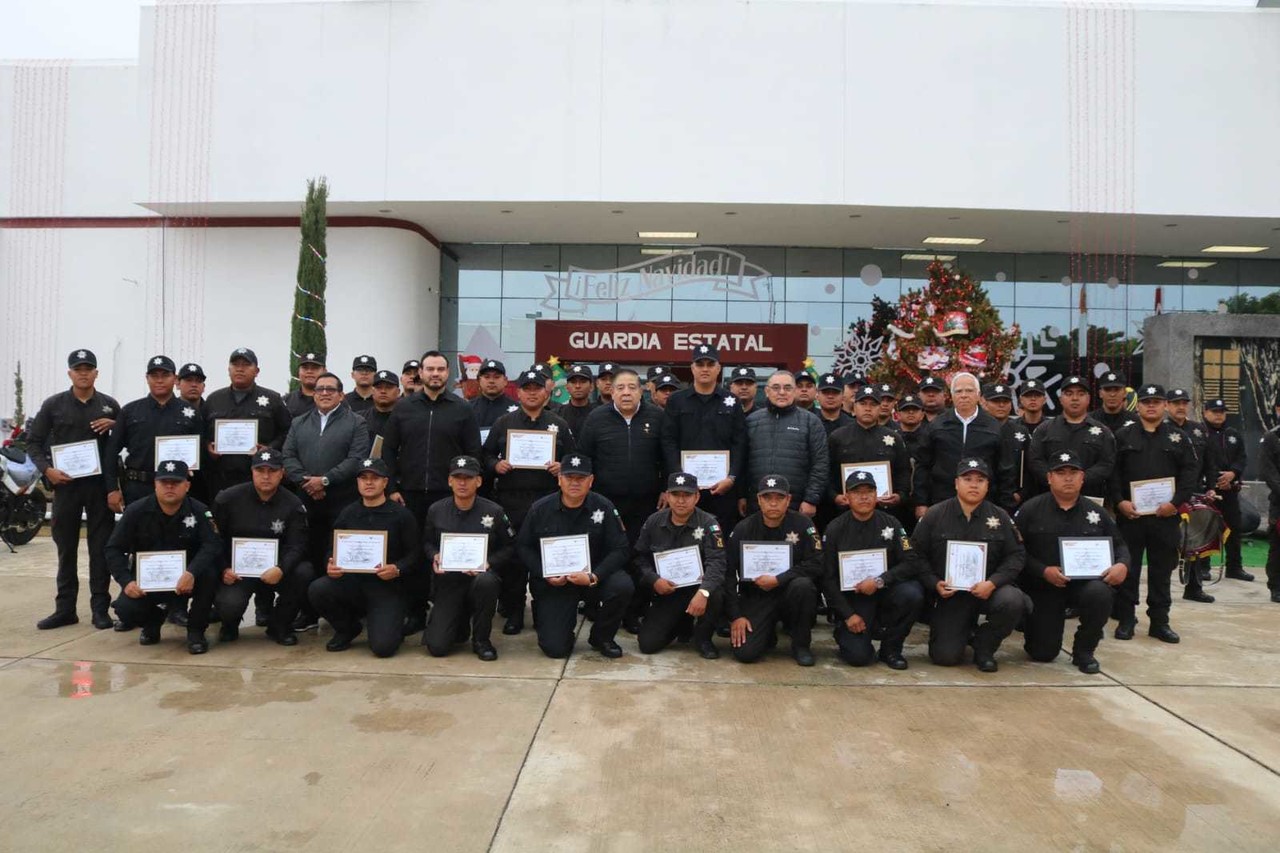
(1089, 440)
(1269, 468)
(140, 422)
(358, 404)
(1113, 422)
(298, 403)
(63, 419)
(144, 526)
(404, 542)
(238, 512)
(524, 479)
(597, 518)
(856, 443)
(575, 416)
(1043, 522)
(806, 556)
(1016, 435)
(377, 422)
(487, 410)
(842, 419)
(847, 533)
(702, 530)
(1195, 433)
(1142, 455)
(422, 435)
(1226, 452)
(485, 517)
(714, 421)
(945, 522)
(256, 403)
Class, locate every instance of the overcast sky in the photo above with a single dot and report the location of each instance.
(108, 29)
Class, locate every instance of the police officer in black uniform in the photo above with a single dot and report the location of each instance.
(191, 381)
(517, 489)
(1228, 459)
(742, 384)
(574, 511)
(492, 402)
(1150, 449)
(261, 509)
(476, 591)
(1074, 431)
(360, 397)
(671, 607)
(889, 601)
(244, 398)
(1016, 434)
(1269, 473)
(754, 606)
(867, 441)
(302, 399)
(410, 382)
(1112, 390)
(705, 416)
(1044, 521)
(604, 383)
(169, 520)
(386, 393)
(964, 432)
(831, 404)
(969, 517)
(997, 401)
(1177, 413)
(853, 383)
(932, 392)
(577, 382)
(79, 414)
(380, 598)
(141, 421)
(663, 387)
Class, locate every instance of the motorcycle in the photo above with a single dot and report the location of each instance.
(24, 495)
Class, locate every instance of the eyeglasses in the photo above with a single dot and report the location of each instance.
(326, 390)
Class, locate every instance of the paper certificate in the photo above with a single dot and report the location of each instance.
(463, 552)
(1097, 500)
(765, 558)
(681, 566)
(531, 448)
(235, 437)
(565, 555)
(160, 571)
(858, 566)
(78, 459)
(359, 550)
(1085, 556)
(878, 470)
(708, 466)
(251, 557)
(1147, 495)
(375, 451)
(173, 448)
(966, 564)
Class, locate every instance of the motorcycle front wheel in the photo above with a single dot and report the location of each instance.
(25, 520)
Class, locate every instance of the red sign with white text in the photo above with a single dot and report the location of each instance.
(773, 344)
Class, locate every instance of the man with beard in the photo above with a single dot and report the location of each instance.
(360, 398)
(492, 402)
(386, 393)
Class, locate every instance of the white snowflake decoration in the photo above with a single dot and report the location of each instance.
(857, 353)
(1032, 361)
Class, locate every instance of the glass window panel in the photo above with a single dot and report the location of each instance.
(1034, 320)
(1201, 297)
(770, 260)
(647, 310)
(518, 318)
(479, 270)
(1254, 272)
(1142, 298)
(815, 275)
(474, 315)
(699, 312)
(990, 268)
(642, 289)
(528, 271)
(885, 274)
(824, 329)
(1042, 294)
(751, 312)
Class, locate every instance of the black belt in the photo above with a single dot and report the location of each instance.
(137, 475)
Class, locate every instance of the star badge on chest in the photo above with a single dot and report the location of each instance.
(598, 516)
(552, 428)
(1092, 516)
(1175, 437)
(993, 522)
(1095, 430)
(189, 521)
(729, 401)
(188, 412)
(1231, 439)
(886, 534)
(106, 409)
(1197, 433)
(277, 526)
(486, 522)
(793, 538)
(263, 401)
(1020, 436)
(511, 409)
(888, 441)
(697, 533)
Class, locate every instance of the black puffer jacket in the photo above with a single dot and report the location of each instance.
(790, 442)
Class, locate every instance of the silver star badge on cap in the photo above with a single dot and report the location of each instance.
(1151, 389)
(862, 475)
(771, 482)
(81, 354)
(265, 456)
(191, 367)
(364, 359)
(973, 463)
(368, 463)
(702, 349)
(157, 360)
(169, 466)
(460, 463)
(241, 351)
(1064, 457)
(575, 461)
(680, 480)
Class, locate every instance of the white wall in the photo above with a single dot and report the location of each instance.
(223, 288)
(726, 100)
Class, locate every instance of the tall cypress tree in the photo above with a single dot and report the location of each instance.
(307, 328)
(19, 415)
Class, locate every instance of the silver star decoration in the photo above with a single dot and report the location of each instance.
(1020, 436)
(106, 409)
(241, 351)
(191, 367)
(368, 463)
(189, 521)
(973, 463)
(490, 364)
(486, 522)
(262, 400)
(887, 533)
(993, 522)
(862, 475)
(889, 441)
(157, 360)
(80, 354)
(1092, 517)
(1196, 432)
(575, 461)
(680, 480)
(188, 412)
(277, 526)
(697, 533)
(598, 516)
(552, 428)
(793, 538)
(169, 466)
(771, 482)
(1175, 437)
(364, 359)
(460, 462)
(1129, 422)
(1151, 389)
(1231, 439)
(702, 349)
(511, 409)
(1064, 457)
(1095, 430)
(729, 401)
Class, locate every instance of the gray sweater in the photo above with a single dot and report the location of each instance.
(336, 453)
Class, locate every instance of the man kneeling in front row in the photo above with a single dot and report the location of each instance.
(169, 521)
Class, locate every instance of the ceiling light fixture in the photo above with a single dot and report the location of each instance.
(1243, 250)
(912, 256)
(660, 250)
(1188, 265)
(955, 241)
(667, 235)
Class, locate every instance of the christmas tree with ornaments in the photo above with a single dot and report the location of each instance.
(948, 327)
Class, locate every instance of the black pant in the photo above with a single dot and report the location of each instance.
(634, 512)
(458, 594)
(1042, 634)
(955, 617)
(555, 611)
(1158, 538)
(895, 608)
(133, 490)
(148, 612)
(233, 599)
(665, 615)
(382, 604)
(418, 585)
(320, 518)
(88, 494)
(515, 574)
(723, 507)
(1273, 551)
(796, 604)
(1230, 506)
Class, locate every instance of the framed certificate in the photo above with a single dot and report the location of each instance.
(235, 437)
(1083, 557)
(463, 552)
(765, 558)
(1147, 495)
(858, 566)
(1097, 500)
(966, 564)
(77, 459)
(565, 555)
(375, 451)
(531, 448)
(708, 466)
(160, 571)
(179, 447)
(251, 557)
(879, 470)
(681, 566)
(359, 550)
